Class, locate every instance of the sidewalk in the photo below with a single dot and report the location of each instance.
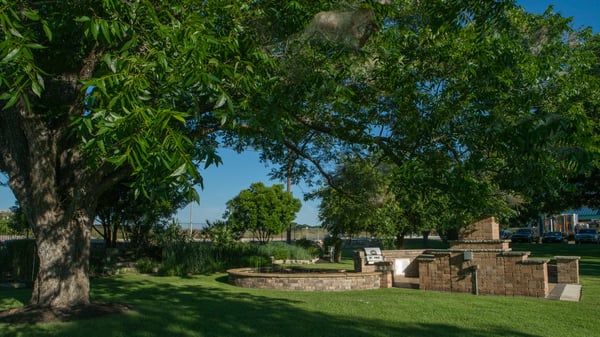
(566, 292)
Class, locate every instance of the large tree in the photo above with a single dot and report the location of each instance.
(99, 93)
(480, 105)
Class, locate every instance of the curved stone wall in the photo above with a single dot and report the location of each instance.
(334, 281)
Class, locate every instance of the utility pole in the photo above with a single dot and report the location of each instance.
(289, 190)
(191, 232)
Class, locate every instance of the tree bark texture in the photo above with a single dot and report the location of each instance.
(63, 250)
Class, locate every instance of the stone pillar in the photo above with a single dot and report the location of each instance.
(387, 273)
(358, 257)
(426, 271)
(534, 278)
(567, 268)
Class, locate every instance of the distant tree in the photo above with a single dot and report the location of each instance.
(120, 210)
(369, 195)
(264, 211)
(353, 200)
(17, 222)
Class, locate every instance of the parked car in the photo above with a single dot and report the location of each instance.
(505, 234)
(587, 235)
(525, 235)
(551, 237)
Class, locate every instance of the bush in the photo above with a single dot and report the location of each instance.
(22, 260)
(145, 265)
(182, 257)
(283, 251)
(4, 262)
(304, 243)
(171, 267)
(279, 251)
(258, 261)
(312, 249)
(199, 258)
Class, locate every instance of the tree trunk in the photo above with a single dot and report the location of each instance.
(63, 251)
(426, 239)
(400, 240)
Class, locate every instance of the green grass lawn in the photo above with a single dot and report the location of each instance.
(208, 306)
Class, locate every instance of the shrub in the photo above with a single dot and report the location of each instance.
(258, 261)
(185, 257)
(280, 251)
(312, 249)
(145, 265)
(4, 262)
(304, 243)
(22, 260)
(283, 251)
(171, 267)
(197, 258)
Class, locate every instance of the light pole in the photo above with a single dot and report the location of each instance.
(289, 191)
(191, 233)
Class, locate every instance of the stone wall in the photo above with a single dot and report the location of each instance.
(247, 278)
(567, 269)
(486, 229)
(479, 263)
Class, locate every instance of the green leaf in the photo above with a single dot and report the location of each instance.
(105, 30)
(12, 55)
(15, 32)
(95, 29)
(118, 160)
(47, 30)
(222, 100)
(31, 14)
(127, 44)
(11, 102)
(34, 46)
(179, 171)
(36, 88)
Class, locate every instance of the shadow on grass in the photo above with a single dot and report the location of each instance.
(589, 268)
(161, 308)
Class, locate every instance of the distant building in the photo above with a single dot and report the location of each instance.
(5, 215)
(571, 220)
(587, 215)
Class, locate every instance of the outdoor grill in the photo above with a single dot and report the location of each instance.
(373, 255)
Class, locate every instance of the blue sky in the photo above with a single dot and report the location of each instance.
(238, 171)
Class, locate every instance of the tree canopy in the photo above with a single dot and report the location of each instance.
(477, 107)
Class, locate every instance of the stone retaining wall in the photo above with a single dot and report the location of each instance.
(247, 278)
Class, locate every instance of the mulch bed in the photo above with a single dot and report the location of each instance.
(35, 315)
